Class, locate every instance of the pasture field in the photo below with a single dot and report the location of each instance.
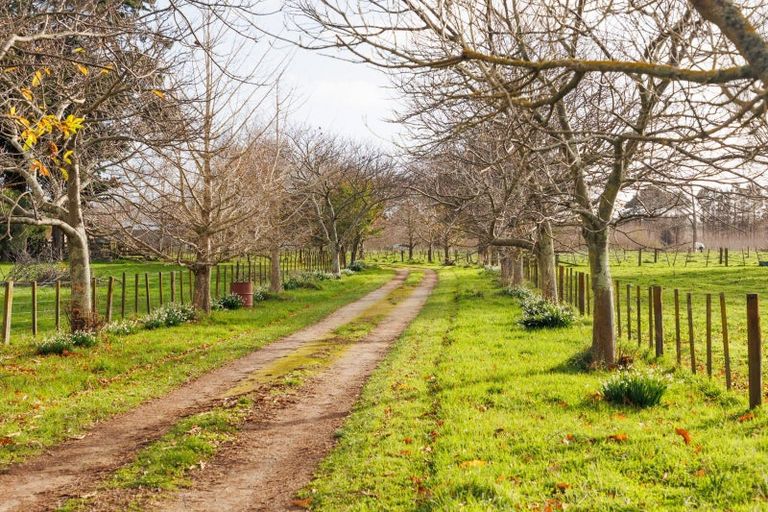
(46, 399)
(472, 412)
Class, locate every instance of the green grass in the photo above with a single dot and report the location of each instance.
(471, 412)
(45, 399)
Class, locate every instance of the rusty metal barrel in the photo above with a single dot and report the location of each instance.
(244, 290)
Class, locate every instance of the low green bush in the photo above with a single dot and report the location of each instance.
(122, 327)
(56, 344)
(62, 342)
(169, 315)
(231, 301)
(520, 293)
(297, 282)
(634, 388)
(357, 266)
(83, 339)
(539, 313)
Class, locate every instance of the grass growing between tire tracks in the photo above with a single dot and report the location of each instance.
(472, 412)
(44, 400)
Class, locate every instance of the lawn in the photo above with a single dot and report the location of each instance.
(44, 399)
(472, 412)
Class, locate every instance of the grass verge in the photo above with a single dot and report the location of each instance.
(471, 412)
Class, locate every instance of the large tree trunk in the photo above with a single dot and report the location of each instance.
(429, 253)
(80, 313)
(603, 337)
(275, 276)
(545, 257)
(447, 253)
(355, 247)
(336, 262)
(57, 244)
(506, 267)
(517, 267)
(201, 298)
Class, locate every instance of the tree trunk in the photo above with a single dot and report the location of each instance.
(506, 267)
(447, 253)
(275, 276)
(603, 337)
(429, 253)
(343, 260)
(517, 267)
(410, 252)
(355, 248)
(57, 244)
(545, 257)
(201, 298)
(336, 262)
(80, 276)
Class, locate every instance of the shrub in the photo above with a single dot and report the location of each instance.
(357, 266)
(169, 315)
(520, 293)
(635, 389)
(63, 342)
(296, 282)
(540, 313)
(490, 270)
(43, 273)
(56, 344)
(83, 339)
(347, 272)
(122, 327)
(231, 301)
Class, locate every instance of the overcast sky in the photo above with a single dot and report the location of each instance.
(341, 97)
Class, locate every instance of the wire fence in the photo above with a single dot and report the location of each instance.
(40, 308)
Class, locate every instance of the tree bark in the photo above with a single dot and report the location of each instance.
(603, 337)
(80, 276)
(429, 253)
(336, 261)
(545, 257)
(447, 253)
(275, 276)
(201, 298)
(506, 267)
(517, 267)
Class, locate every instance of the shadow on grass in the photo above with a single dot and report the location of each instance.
(577, 363)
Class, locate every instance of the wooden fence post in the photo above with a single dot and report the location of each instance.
(160, 286)
(181, 286)
(754, 351)
(110, 292)
(7, 312)
(122, 296)
(191, 288)
(678, 347)
(561, 282)
(57, 305)
(136, 294)
(618, 308)
(691, 344)
(658, 322)
(218, 282)
(94, 296)
(173, 285)
(146, 290)
(639, 257)
(726, 348)
(639, 315)
(582, 298)
(709, 333)
(629, 311)
(650, 317)
(34, 308)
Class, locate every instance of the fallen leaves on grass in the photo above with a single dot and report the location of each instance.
(568, 439)
(408, 440)
(684, 434)
(746, 417)
(562, 486)
(302, 503)
(619, 438)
